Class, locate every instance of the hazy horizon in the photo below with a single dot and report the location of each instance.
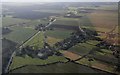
(60, 1)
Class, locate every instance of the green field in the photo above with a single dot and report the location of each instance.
(96, 64)
(36, 41)
(109, 7)
(102, 18)
(81, 48)
(34, 23)
(86, 22)
(67, 21)
(20, 34)
(57, 68)
(6, 21)
(18, 61)
(59, 33)
(56, 11)
(92, 42)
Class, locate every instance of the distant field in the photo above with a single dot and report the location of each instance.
(6, 21)
(86, 22)
(62, 11)
(34, 23)
(20, 34)
(83, 22)
(67, 21)
(18, 61)
(104, 19)
(109, 7)
(59, 33)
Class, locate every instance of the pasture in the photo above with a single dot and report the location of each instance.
(67, 21)
(18, 61)
(20, 34)
(6, 21)
(81, 48)
(57, 68)
(36, 41)
(59, 33)
(96, 64)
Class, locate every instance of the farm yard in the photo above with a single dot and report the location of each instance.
(84, 57)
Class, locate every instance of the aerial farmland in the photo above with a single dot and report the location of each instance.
(68, 37)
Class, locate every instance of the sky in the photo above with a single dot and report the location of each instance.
(60, 0)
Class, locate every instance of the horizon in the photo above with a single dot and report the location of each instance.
(59, 1)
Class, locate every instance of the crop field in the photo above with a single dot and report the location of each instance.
(20, 34)
(34, 23)
(70, 55)
(105, 55)
(65, 19)
(6, 21)
(57, 68)
(104, 19)
(59, 33)
(86, 22)
(18, 61)
(96, 64)
(52, 40)
(83, 21)
(36, 41)
(62, 11)
(114, 6)
(81, 49)
(92, 42)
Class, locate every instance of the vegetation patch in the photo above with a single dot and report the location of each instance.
(81, 48)
(52, 40)
(20, 34)
(59, 33)
(20, 61)
(69, 67)
(6, 21)
(104, 19)
(36, 41)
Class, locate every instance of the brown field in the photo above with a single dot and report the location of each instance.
(52, 40)
(71, 55)
(110, 38)
(104, 20)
